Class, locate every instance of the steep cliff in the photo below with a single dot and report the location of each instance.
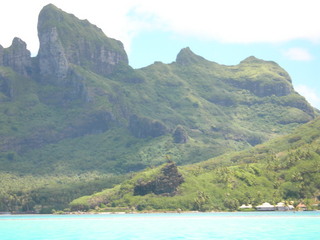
(17, 57)
(65, 41)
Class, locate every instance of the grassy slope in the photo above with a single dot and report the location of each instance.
(286, 168)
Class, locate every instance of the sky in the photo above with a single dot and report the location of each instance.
(223, 31)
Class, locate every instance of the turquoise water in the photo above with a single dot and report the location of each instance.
(273, 225)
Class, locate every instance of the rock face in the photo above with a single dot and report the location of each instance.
(66, 41)
(142, 127)
(52, 59)
(165, 184)
(180, 135)
(17, 57)
(259, 87)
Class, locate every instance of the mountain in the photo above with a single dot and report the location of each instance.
(66, 41)
(284, 169)
(78, 111)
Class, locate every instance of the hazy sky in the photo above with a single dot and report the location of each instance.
(224, 31)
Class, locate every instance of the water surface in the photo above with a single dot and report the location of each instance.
(254, 225)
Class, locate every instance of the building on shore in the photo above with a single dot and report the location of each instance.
(243, 206)
(284, 207)
(302, 207)
(266, 207)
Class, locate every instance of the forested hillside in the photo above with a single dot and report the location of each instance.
(77, 113)
(285, 169)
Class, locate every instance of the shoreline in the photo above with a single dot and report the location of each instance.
(148, 212)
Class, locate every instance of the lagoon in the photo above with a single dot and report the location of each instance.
(238, 225)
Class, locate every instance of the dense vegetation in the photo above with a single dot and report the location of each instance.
(42, 194)
(78, 118)
(284, 169)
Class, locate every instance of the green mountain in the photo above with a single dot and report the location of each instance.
(77, 113)
(284, 169)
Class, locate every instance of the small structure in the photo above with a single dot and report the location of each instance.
(283, 207)
(245, 206)
(266, 207)
(301, 207)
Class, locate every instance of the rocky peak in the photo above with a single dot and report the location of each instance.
(17, 57)
(66, 40)
(187, 57)
(165, 184)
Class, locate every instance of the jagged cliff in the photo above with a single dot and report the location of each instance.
(66, 41)
(17, 57)
(78, 105)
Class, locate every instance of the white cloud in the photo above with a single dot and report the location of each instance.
(244, 21)
(298, 54)
(310, 94)
(19, 18)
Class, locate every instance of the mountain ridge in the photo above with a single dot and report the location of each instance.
(78, 107)
(282, 170)
(201, 96)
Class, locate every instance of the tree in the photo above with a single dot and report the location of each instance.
(201, 201)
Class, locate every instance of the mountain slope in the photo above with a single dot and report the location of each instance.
(84, 108)
(79, 108)
(284, 169)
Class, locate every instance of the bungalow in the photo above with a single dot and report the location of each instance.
(301, 207)
(266, 207)
(283, 207)
(245, 206)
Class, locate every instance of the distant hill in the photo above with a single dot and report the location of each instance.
(284, 169)
(78, 108)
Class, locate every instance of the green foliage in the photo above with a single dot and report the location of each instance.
(277, 171)
(133, 119)
(201, 202)
(43, 193)
(42, 127)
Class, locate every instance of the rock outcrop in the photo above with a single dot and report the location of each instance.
(180, 135)
(53, 62)
(66, 41)
(261, 88)
(17, 57)
(165, 184)
(142, 127)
